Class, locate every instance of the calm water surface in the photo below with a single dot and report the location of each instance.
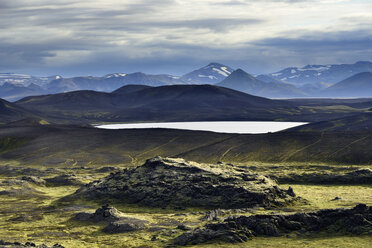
(244, 127)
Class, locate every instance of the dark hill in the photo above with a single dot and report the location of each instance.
(165, 103)
(360, 122)
(130, 88)
(72, 101)
(242, 81)
(11, 112)
(359, 85)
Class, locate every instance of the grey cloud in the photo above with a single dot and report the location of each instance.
(322, 41)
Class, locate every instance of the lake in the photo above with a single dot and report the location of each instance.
(242, 127)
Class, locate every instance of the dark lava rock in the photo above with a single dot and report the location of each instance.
(64, 180)
(359, 176)
(105, 213)
(27, 218)
(125, 225)
(241, 228)
(213, 215)
(163, 182)
(6, 244)
(107, 169)
(117, 221)
(183, 227)
(34, 179)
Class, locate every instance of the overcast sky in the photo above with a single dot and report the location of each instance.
(87, 37)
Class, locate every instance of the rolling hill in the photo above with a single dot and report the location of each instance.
(137, 103)
(61, 145)
(165, 103)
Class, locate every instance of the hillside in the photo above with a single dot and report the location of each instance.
(14, 92)
(12, 112)
(242, 81)
(360, 122)
(359, 85)
(92, 146)
(165, 103)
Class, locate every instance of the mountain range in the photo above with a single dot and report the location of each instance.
(346, 80)
(321, 75)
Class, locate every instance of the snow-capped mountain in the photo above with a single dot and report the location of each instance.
(321, 75)
(25, 80)
(210, 74)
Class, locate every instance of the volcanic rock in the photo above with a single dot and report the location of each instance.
(163, 182)
(105, 213)
(64, 180)
(117, 221)
(6, 244)
(357, 220)
(34, 179)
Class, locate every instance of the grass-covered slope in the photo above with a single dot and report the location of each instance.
(360, 122)
(76, 145)
(12, 112)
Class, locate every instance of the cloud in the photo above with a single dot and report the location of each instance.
(175, 36)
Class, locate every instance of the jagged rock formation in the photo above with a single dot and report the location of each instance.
(241, 228)
(117, 221)
(163, 182)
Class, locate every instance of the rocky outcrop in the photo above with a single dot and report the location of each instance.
(163, 182)
(242, 228)
(64, 180)
(117, 221)
(34, 179)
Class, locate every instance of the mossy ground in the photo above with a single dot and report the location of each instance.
(48, 221)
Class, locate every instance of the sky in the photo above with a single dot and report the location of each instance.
(70, 38)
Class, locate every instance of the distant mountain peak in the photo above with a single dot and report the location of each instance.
(242, 81)
(210, 74)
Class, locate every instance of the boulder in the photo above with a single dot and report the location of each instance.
(103, 214)
(171, 182)
(117, 221)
